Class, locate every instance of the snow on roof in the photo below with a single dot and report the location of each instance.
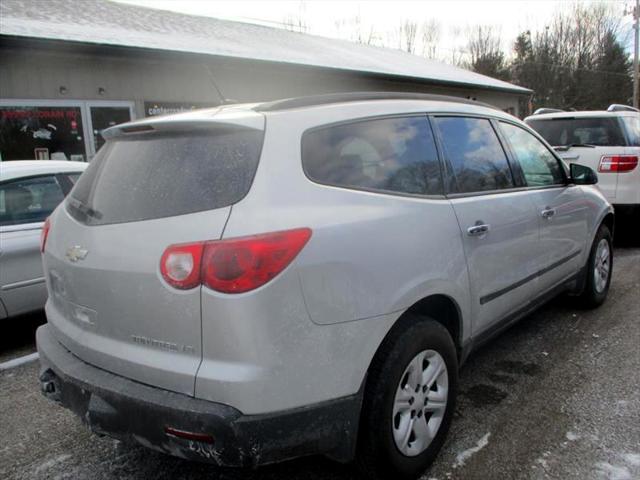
(110, 23)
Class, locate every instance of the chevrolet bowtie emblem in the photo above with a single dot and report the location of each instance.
(76, 253)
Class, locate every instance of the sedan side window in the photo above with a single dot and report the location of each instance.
(475, 154)
(29, 200)
(539, 166)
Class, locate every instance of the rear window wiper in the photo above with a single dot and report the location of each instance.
(84, 209)
(564, 148)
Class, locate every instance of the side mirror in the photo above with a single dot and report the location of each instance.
(581, 175)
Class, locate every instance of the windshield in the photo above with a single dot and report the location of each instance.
(155, 176)
(597, 131)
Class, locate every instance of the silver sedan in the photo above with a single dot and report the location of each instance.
(29, 191)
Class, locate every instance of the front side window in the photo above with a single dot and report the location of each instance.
(29, 200)
(539, 166)
(475, 154)
(390, 154)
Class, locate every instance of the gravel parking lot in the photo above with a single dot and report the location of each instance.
(556, 396)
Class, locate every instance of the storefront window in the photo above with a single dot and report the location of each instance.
(105, 117)
(41, 133)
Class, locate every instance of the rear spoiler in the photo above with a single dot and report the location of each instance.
(219, 119)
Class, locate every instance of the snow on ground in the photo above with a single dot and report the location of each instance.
(52, 462)
(572, 437)
(18, 361)
(613, 472)
(632, 459)
(462, 457)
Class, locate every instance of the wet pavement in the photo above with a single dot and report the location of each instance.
(556, 396)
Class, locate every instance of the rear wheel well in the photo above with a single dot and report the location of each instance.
(442, 309)
(609, 221)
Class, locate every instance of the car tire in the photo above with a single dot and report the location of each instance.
(412, 354)
(596, 286)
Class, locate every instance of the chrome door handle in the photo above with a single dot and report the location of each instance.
(478, 230)
(548, 212)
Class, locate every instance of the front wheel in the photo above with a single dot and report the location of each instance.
(409, 401)
(599, 269)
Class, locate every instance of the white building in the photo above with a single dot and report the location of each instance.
(70, 68)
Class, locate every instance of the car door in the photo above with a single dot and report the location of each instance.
(560, 206)
(24, 205)
(497, 220)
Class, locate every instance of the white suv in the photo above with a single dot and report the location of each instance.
(254, 283)
(605, 141)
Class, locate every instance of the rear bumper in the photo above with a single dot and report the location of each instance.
(121, 408)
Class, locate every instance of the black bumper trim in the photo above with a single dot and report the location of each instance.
(121, 408)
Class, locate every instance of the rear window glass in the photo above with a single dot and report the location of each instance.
(389, 155)
(155, 176)
(598, 131)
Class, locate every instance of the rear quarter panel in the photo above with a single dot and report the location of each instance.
(319, 323)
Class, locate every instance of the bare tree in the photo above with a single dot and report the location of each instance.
(430, 32)
(297, 22)
(407, 33)
(485, 51)
(354, 29)
(577, 61)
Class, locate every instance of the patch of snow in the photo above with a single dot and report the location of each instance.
(613, 472)
(19, 361)
(50, 463)
(462, 457)
(632, 459)
(572, 437)
(542, 463)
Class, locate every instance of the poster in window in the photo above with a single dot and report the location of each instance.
(26, 132)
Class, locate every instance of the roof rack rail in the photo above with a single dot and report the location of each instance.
(315, 100)
(540, 111)
(617, 107)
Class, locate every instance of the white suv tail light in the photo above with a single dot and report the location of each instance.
(617, 163)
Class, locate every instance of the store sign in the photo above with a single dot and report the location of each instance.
(41, 133)
(153, 109)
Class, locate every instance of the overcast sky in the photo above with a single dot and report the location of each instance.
(337, 19)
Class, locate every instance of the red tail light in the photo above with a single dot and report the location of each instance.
(618, 163)
(235, 265)
(44, 234)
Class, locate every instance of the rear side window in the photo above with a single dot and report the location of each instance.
(155, 176)
(632, 125)
(598, 131)
(390, 155)
(539, 167)
(29, 200)
(475, 154)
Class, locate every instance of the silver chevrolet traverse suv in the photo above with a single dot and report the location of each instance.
(253, 283)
